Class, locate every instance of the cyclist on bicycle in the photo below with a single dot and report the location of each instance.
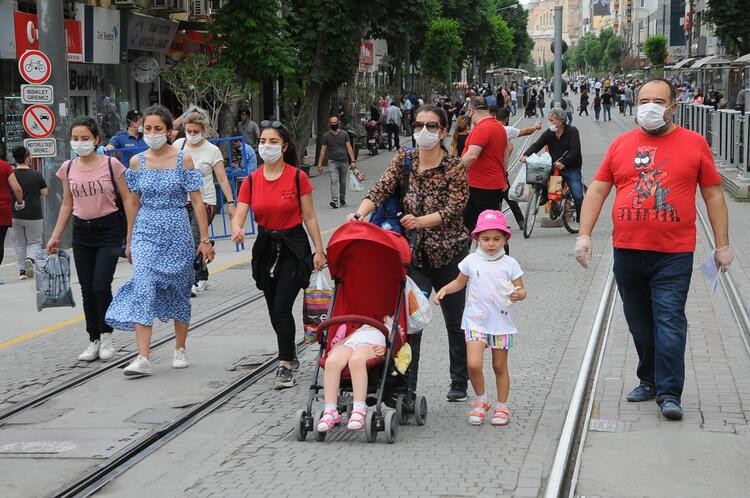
(564, 145)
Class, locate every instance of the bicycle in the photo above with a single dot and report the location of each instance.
(564, 208)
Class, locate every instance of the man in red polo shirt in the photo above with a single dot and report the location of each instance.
(484, 156)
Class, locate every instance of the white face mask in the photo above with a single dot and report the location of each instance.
(155, 142)
(426, 139)
(194, 139)
(270, 153)
(553, 128)
(82, 148)
(650, 116)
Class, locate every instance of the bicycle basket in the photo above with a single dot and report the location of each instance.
(538, 168)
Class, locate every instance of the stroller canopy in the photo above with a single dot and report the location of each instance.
(369, 267)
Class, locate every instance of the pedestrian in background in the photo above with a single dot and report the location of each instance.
(8, 184)
(597, 106)
(487, 321)
(540, 102)
(653, 272)
(209, 162)
(130, 139)
(160, 245)
(584, 104)
(568, 107)
(607, 105)
(460, 134)
(281, 198)
(436, 194)
(484, 157)
(337, 148)
(628, 97)
(392, 125)
(248, 128)
(28, 222)
(91, 183)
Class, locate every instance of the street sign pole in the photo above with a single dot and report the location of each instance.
(558, 56)
(52, 43)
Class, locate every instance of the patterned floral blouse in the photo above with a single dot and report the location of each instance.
(443, 190)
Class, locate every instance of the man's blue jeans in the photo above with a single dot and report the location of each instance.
(654, 289)
(573, 178)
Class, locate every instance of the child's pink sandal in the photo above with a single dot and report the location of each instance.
(478, 412)
(501, 416)
(328, 420)
(356, 419)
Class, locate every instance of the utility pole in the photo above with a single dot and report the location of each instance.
(558, 56)
(52, 43)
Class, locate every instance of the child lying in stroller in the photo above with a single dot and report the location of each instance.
(353, 351)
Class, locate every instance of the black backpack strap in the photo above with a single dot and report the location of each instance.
(67, 173)
(405, 172)
(183, 143)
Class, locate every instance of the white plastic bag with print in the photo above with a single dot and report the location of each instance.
(520, 191)
(354, 183)
(418, 309)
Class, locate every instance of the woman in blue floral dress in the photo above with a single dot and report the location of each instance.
(160, 244)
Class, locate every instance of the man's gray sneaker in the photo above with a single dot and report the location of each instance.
(643, 392)
(671, 409)
(284, 378)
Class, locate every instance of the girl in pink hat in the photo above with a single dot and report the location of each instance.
(495, 282)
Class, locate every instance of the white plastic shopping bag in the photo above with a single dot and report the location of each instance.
(520, 191)
(538, 167)
(418, 309)
(354, 183)
(53, 280)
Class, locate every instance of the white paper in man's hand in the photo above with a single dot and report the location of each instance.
(710, 270)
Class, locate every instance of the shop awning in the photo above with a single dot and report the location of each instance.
(745, 59)
(685, 63)
(711, 60)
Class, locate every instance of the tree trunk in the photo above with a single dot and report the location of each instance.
(324, 108)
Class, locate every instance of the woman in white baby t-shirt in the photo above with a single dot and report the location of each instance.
(494, 282)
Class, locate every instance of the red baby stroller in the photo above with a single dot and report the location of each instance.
(368, 266)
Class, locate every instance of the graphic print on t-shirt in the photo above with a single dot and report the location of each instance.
(649, 197)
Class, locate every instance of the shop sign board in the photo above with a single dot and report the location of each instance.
(103, 40)
(38, 121)
(44, 147)
(37, 94)
(152, 34)
(35, 67)
(26, 30)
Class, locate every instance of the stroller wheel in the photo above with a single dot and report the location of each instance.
(420, 410)
(371, 430)
(401, 410)
(300, 426)
(391, 426)
(319, 436)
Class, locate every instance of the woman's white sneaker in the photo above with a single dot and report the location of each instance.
(138, 367)
(91, 352)
(179, 360)
(106, 347)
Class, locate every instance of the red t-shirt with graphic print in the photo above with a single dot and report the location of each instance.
(275, 205)
(655, 178)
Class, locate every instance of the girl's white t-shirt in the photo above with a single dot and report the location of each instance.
(205, 158)
(486, 308)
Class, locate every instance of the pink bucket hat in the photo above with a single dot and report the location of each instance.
(490, 219)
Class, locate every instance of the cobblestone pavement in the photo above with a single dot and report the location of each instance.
(247, 448)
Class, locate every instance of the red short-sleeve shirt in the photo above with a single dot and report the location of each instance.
(655, 178)
(275, 203)
(6, 218)
(488, 171)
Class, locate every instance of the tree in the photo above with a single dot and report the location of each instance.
(730, 19)
(518, 19)
(500, 49)
(613, 52)
(593, 53)
(655, 48)
(442, 49)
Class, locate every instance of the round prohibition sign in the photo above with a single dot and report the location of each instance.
(35, 67)
(38, 121)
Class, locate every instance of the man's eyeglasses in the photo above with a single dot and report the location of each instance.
(432, 126)
(271, 124)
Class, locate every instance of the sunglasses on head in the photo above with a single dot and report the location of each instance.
(432, 126)
(271, 124)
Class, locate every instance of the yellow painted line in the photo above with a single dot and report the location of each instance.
(79, 318)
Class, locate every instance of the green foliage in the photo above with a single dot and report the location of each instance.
(593, 53)
(443, 46)
(500, 46)
(518, 19)
(655, 48)
(730, 19)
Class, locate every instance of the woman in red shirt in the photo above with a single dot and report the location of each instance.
(8, 183)
(281, 198)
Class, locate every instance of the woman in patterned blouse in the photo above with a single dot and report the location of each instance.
(436, 196)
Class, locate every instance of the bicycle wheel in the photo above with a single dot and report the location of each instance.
(569, 212)
(532, 208)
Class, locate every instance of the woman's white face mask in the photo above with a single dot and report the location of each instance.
(82, 148)
(426, 139)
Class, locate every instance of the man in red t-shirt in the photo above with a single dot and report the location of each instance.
(655, 170)
(484, 156)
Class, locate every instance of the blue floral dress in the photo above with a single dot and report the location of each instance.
(162, 248)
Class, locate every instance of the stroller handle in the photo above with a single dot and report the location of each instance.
(351, 318)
